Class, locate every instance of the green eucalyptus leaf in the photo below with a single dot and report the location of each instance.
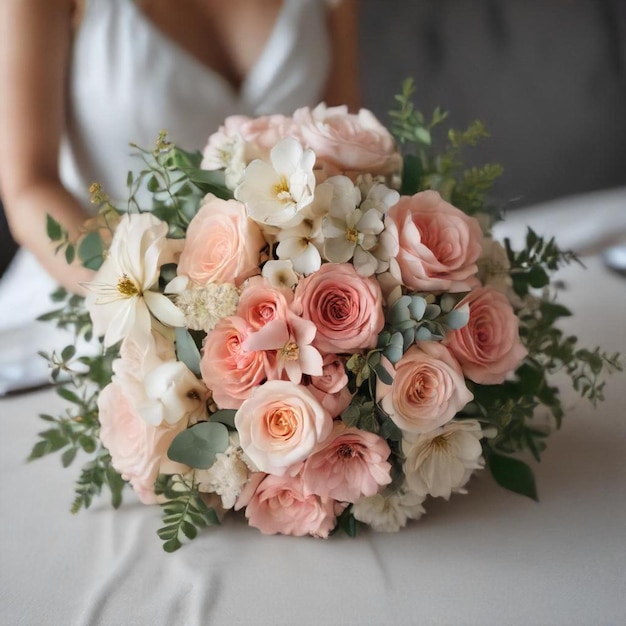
(225, 416)
(423, 334)
(187, 351)
(198, 445)
(412, 173)
(417, 307)
(457, 318)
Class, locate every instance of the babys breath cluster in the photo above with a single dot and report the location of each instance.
(204, 307)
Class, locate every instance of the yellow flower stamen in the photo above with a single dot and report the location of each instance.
(281, 189)
(352, 235)
(290, 351)
(127, 287)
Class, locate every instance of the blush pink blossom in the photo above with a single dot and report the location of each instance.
(345, 307)
(222, 244)
(279, 505)
(260, 302)
(228, 370)
(344, 142)
(488, 347)
(280, 424)
(138, 450)
(439, 244)
(351, 463)
(428, 388)
(331, 388)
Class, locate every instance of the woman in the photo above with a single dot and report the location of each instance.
(80, 79)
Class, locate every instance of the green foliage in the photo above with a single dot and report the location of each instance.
(512, 474)
(198, 445)
(184, 511)
(427, 165)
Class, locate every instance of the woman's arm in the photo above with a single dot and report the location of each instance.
(344, 82)
(35, 38)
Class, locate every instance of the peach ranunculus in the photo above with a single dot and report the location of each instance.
(138, 450)
(351, 463)
(439, 244)
(331, 388)
(488, 346)
(345, 307)
(260, 302)
(428, 389)
(280, 424)
(222, 245)
(228, 370)
(279, 505)
(344, 142)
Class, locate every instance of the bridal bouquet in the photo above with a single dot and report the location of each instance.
(310, 323)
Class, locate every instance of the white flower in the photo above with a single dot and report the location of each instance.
(280, 274)
(389, 513)
(275, 194)
(123, 297)
(172, 393)
(227, 476)
(354, 229)
(204, 307)
(440, 462)
(299, 245)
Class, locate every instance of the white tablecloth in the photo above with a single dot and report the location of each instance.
(489, 557)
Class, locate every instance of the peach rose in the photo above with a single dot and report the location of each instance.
(280, 424)
(351, 463)
(439, 244)
(227, 369)
(345, 142)
(428, 389)
(346, 308)
(138, 450)
(488, 346)
(331, 388)
(279, 505)
(261, 134)
(222, 244)
(261, 303)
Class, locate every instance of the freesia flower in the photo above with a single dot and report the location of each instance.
(299, 244)
(441, 461)
(280, 274)
(123, 298)
(275, 193)
(290, 341)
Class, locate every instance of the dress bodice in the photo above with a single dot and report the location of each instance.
(128, 81)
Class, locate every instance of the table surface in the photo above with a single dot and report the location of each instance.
(489, 557)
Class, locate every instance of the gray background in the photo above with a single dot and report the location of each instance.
(548, 77)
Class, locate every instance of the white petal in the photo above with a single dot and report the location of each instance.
(164, 309)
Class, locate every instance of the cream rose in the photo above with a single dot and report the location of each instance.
(222, 244)
(488, 346)
(428, 389)
(439, 244)
(345, 142)
(345, 307)
(280, 425)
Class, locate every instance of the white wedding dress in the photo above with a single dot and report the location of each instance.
(127, 82)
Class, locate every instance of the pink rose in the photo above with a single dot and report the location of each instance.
(222, 244)
(351, 463)
(488, 347)
(279, 505)
(138, 450)
(439, 244)
(280, 424)
(261, 303)
(261, 134)
(227, 369)
(428, 388)
(331, 388)
(344, 142)
(345, 307)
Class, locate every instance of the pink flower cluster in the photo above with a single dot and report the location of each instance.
(283, 356)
